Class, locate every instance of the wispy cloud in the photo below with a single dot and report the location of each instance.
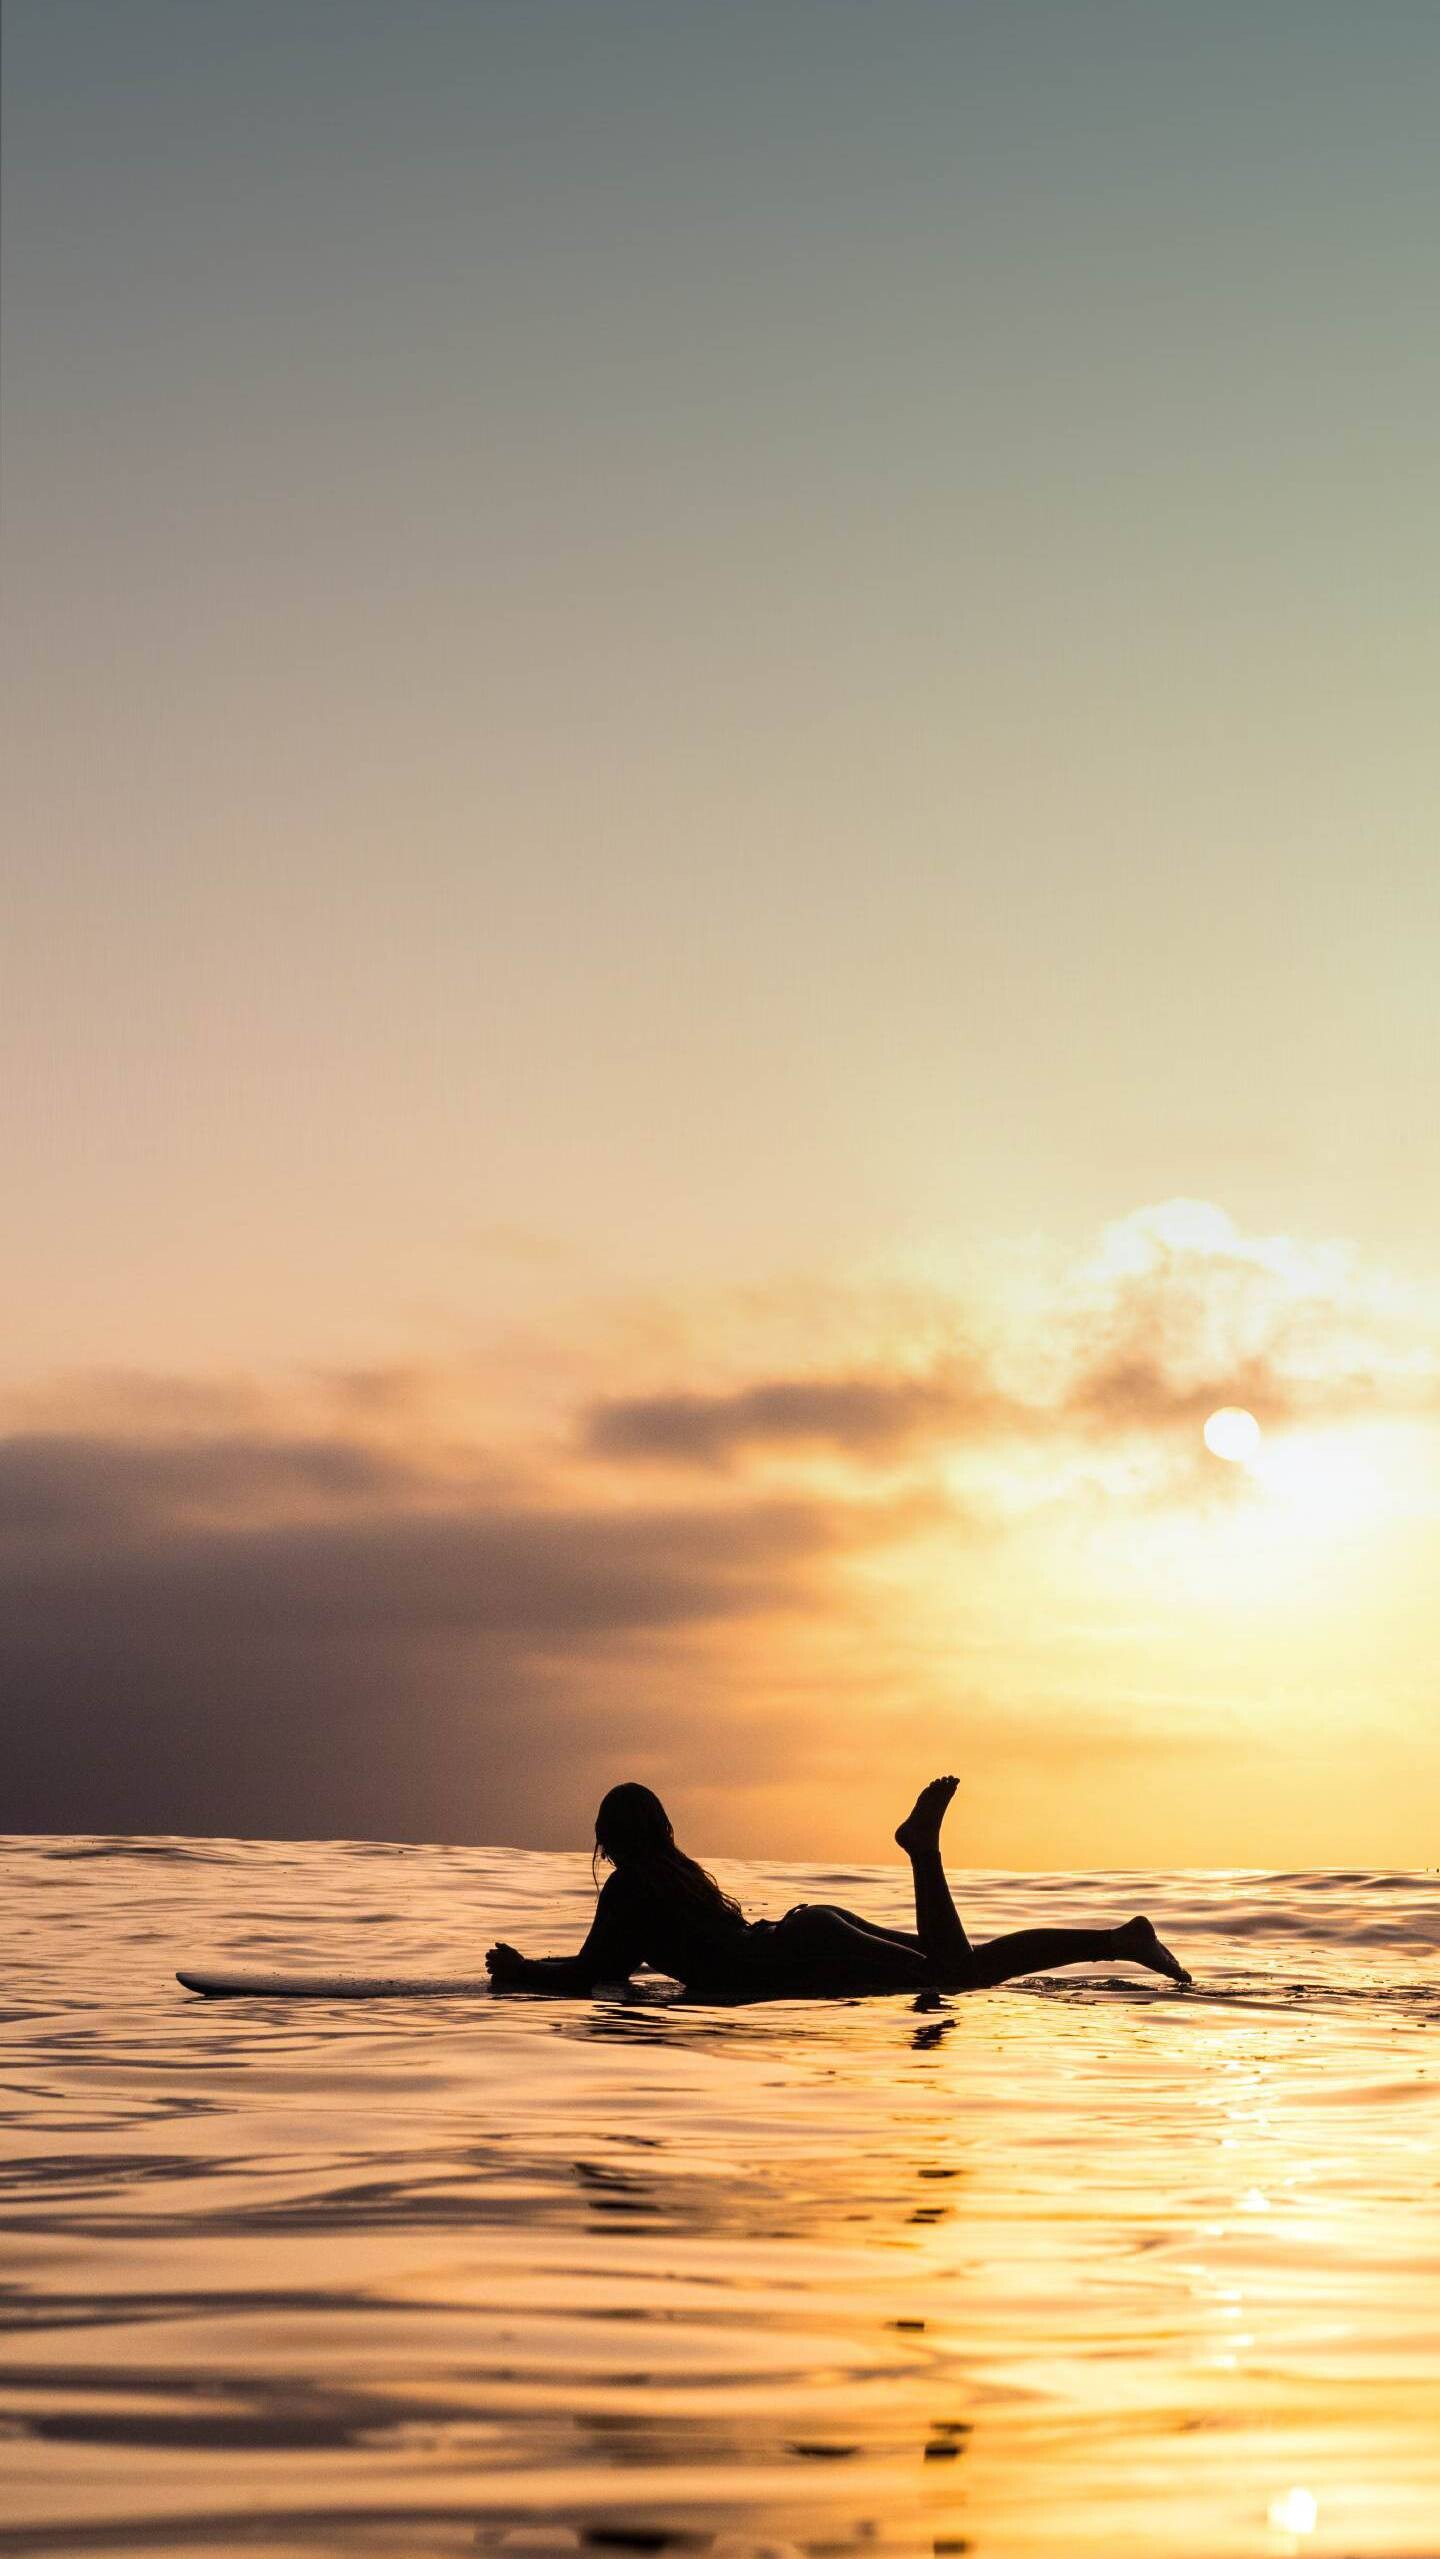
(872, 1416)
(330, 1605)
(1179, 1313)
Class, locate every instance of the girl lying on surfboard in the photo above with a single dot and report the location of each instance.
(658, 1907)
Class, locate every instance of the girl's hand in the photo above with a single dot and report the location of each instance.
(504, 1964)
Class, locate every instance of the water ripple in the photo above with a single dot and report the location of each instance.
(1004, 2273)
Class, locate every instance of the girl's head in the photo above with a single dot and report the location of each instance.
(632, 1823)
(632, 1828)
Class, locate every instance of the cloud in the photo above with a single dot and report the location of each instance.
(318, 1607)
(878, 1419)
(70, 1487)
(1180, 1311)
(866, 1416)
(1178, 1314)
(172, 1663)
(1134, 1391)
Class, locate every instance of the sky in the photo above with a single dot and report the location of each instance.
(722, 889)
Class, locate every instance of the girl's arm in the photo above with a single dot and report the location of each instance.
(510, 1970)
(610, 1952)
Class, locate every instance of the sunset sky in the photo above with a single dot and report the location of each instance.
(723, 889)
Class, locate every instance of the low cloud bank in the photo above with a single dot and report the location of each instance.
(217, 1619)
(172, 1663)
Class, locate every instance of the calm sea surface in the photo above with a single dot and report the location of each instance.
(1071, 2267)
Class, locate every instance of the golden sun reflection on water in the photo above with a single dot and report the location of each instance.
(1083, 2269)
(1296, 2512)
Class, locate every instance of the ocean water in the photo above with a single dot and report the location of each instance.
(1075, 2266)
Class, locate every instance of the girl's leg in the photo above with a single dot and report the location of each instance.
(1044, 1950)
(1039, 1950)
(1025, 1950)
(936, 1917)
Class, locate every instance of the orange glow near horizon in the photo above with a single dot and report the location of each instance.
(776, 1563)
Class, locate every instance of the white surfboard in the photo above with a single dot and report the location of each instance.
(216, 1985)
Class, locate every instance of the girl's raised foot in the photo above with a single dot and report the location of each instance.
(921, 1828)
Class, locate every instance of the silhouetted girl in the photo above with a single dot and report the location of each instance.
(658, 1907)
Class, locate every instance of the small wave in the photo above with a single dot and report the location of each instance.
(165, 1852)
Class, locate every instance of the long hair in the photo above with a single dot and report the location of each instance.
(633, 1830)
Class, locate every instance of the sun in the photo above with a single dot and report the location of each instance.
(1233, 1434)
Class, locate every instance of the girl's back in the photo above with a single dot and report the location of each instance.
(681, 1925)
